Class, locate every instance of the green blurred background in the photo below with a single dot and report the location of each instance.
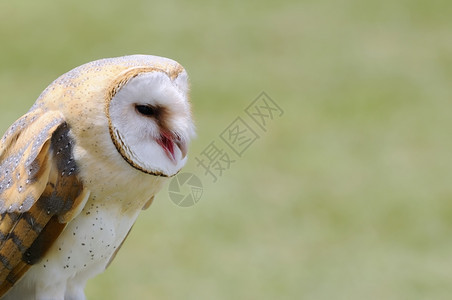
(346, 196)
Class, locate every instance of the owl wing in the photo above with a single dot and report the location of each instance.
(40, 191)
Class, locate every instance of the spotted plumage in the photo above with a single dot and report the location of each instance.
(76, 170)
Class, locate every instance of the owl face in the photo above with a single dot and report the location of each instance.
(150, 120)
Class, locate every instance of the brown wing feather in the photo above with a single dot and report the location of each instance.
(39, 191)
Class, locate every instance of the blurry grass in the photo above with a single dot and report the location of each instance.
(347, 196)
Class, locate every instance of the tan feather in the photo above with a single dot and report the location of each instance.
(39, 191)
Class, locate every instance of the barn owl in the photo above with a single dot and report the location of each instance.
(76, 170)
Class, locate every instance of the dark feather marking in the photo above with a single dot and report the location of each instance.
(5, 262)
(34, 225)
(44, 241)
(16, 240)
(13, 216)
(33, 170)
(12, 278)
(62, 147)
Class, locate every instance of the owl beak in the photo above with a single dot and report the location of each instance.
(167, 141)
(183, 147)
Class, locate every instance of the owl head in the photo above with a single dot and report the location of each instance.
(139, 104)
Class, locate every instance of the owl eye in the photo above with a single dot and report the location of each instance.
(146, 110)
